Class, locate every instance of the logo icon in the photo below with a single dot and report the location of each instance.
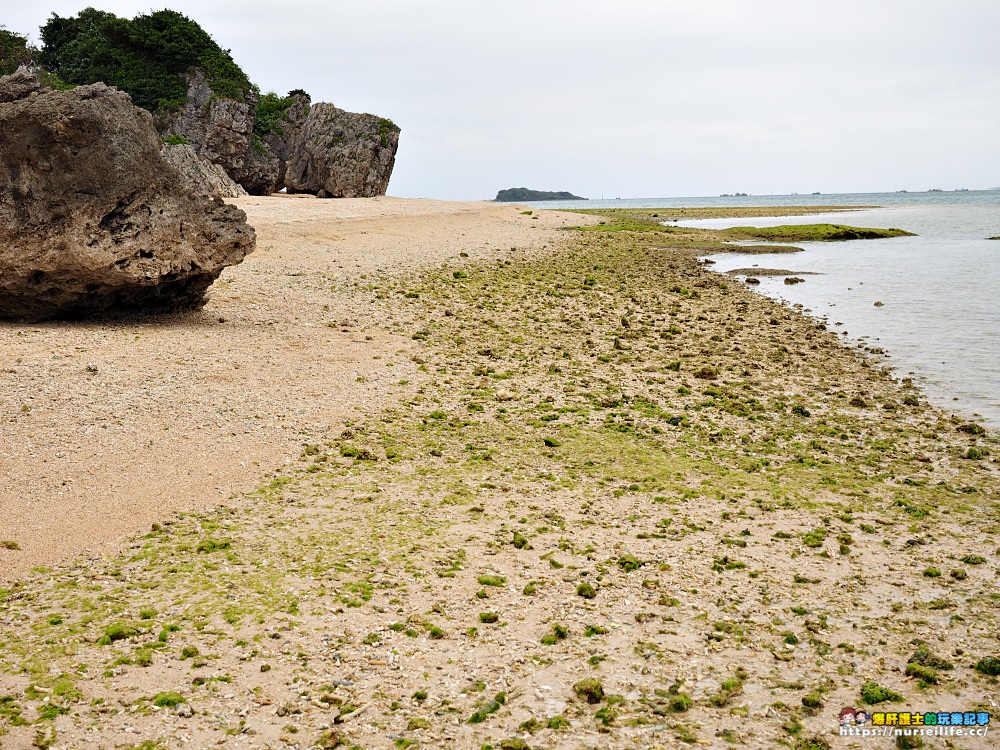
(851, 717)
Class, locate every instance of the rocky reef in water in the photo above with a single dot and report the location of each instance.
(199, 97)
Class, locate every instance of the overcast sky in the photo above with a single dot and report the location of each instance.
(634, 98)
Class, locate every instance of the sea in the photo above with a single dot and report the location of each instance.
(930, 303)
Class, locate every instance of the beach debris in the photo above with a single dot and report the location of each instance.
(92, 219)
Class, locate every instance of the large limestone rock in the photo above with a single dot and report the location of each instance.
(220, 130)
(278, 143)
(340, 154)
(18, 84)
(92, 219)
(201, 175)
(318, 149)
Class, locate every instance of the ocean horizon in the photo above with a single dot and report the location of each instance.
(897, 198)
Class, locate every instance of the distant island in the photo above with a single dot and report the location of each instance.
(518, 195)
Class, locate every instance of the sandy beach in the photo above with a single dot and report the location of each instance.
(110, 424)
(428, 474)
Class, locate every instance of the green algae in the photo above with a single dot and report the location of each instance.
(872, 694)
(813, 233)
(590, 690)
(316, 540)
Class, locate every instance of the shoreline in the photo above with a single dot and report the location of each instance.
(940, 392)
(590, 460)
(885, 294)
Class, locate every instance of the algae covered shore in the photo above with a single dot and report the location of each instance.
(609, 499)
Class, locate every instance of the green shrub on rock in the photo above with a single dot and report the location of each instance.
(14, 52)
(145, 56)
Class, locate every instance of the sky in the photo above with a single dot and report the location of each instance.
(634, 98)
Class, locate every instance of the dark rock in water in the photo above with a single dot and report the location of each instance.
(92, 219)
(758, 271)
(752, 280)
(793, 280)
(346, 154)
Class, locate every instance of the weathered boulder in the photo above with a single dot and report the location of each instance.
(202, 176)
(18, 84)
(340, 154)
(91, 217)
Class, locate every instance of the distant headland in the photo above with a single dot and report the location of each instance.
(517, 195)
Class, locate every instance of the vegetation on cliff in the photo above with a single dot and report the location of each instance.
(515, 195)
(145, 56)
(271, 112)
(173, 68)
(14, 52)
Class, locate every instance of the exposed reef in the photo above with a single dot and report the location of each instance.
(813, 233)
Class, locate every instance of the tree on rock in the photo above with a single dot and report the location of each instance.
(145, 56)
(14, 52)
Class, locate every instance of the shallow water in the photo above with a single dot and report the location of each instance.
(940, 318)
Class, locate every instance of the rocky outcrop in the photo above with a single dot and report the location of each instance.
(340, 154)
(18, 85)
(92, 219)
(220, 130)
(202, 176)
(289, 130)
(316, 148)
